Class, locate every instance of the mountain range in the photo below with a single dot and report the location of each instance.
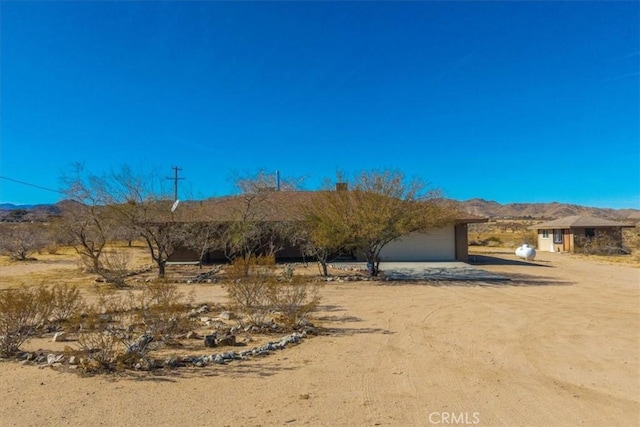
(546, 211)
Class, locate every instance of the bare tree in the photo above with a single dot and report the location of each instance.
(85, 221)
(21, 241)
(264, 181)
(203, 236)
(256, 227)
(136, 203)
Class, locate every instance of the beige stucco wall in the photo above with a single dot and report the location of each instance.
(545, 244)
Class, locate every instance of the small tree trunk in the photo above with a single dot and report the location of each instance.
(323, 265)
(161, 268)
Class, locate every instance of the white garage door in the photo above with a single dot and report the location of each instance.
(435, 245)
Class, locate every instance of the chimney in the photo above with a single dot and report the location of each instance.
(342, 186)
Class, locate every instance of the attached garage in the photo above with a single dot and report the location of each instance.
(435, 245)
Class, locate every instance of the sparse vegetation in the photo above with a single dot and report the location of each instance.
(263, 293)
(120, 329)
(25, 309)
(602, 243)
(21, 241)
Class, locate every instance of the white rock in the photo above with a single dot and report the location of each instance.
(59, 337)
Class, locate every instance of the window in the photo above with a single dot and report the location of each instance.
(590, 232)
(557, 236)
(545, 234)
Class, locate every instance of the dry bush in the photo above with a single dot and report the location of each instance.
(102, 332)
(264, 293)
(22, 310)
(122, 328)
(524, 236)
(603, 243)
(161, 310)
(52, 249)
(114, 266)
(249, 293)
(97, 350)
(161, 293)
(66, 302)
(293, 299)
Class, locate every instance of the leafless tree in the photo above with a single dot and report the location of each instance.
(21, 241)
(136, 203)
(255, 226)
(85, 219)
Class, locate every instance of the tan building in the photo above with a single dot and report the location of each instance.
(566, 234)
(446, 243)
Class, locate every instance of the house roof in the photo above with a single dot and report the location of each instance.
(579, 221)
(265, 206)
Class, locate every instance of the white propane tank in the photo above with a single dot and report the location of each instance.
(527, 252)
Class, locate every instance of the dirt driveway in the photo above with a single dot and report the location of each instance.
(558, 344)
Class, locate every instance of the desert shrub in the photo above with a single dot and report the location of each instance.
(492, 241)
(524, 236)
(602, 243)
(102, 331)
(22, 310)
(97, 350)
(114, 266)
(161, 293)
(66, 302)
(293, 299)
(161, 310)
(250, 296)
(52, 249)
(264, 293)
(122, 328)
(248, 293)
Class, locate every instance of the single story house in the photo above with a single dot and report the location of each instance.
(566, 234)
(446, 243)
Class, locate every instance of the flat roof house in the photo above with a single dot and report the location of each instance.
(569, 233)
(446, 243)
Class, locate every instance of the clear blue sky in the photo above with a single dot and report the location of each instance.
(507, 101)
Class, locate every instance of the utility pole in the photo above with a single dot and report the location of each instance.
(175, 181)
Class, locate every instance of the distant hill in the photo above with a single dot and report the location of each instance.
(11, 206)
(26, 213)
(553, 210)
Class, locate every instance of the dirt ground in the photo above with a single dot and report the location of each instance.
(559, 344)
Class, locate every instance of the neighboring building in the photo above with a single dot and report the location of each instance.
(566, 234)
(447, 243)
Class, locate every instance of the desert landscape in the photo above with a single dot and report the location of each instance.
(556, 344)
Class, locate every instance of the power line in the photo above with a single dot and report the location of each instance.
(31, 185)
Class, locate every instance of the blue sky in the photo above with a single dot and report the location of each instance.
(506, 101)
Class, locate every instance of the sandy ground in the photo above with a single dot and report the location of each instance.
(559, 344)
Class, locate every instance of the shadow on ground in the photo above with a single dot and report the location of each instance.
(481, 260)
(331, 323)
(504, 280)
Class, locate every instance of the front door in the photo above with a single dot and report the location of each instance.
(566, 241)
